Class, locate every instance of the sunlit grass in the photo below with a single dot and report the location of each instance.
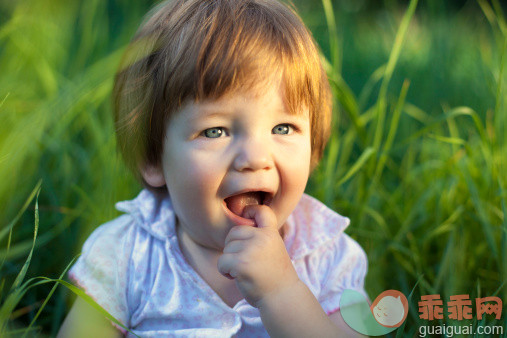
(417, 159)
(20, 287)
(425, 191)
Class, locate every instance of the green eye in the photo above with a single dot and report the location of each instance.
(214, 132)
(282, 129)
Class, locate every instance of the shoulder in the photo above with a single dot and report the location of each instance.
(109, 234)
(106, 250)
(121, 258)
(311, 226)
(342, 259)
(312, 211)
(340, 265)
(108, 245)
(102, 269)
(316, 234)
(326, 258)
(146, 216)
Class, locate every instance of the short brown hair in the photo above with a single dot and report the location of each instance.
(204, 49)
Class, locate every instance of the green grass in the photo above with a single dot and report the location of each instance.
(425, 189)
(417, 159)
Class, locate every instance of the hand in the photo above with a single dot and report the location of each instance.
(256, 258)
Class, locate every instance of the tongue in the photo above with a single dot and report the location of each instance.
(237, 203)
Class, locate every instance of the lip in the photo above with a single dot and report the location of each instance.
(238, 220)
(268, 198)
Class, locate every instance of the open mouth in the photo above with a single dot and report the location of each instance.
(236, 204)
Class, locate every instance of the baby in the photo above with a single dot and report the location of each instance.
(222, 109)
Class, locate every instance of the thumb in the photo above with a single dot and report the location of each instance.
(263, 216)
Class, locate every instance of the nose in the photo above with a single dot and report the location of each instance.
(253, 154)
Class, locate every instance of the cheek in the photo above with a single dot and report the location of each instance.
(295, 177)
(192, 177)
(294, 169)
(296, 163)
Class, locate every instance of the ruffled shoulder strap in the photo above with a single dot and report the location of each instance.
(102, 268)
(153, 212)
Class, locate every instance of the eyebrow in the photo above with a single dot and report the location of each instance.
(209, 113)
(211, 110)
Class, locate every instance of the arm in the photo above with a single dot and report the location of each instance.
(295, 312)
(84, 320)
(337, 319)
(258, 261)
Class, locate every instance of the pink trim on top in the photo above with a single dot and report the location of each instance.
(329, 313)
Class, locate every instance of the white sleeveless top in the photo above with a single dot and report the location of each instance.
(133, 267)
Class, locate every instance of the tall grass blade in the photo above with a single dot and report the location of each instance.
(494, 15)
(446, 262)
(14, 297)
(89, 300)
(481, 213)
(392, 130)
(451, 114)
(330, 169)
(374, 78)
(8, 228)
(49, 296)
(417, 113)
(4, 258)
(347, 99)
(367, 153)
(448, 140)
(334, 39)
(503, 262)
(3, 100)
(17, 290)
(400, 330)
(7, 307)
(24, 269)
(18, 332)
(391, 63)
(21, 249)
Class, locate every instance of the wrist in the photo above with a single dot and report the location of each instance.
(282, 295)
(295, 312)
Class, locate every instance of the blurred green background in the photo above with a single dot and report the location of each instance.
(417, 159)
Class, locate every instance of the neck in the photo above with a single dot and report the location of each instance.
(204, 261)
(193, 251)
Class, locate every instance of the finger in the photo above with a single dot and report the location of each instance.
(226, 264)
(228, 276)
(239, 232)
(234, 246)
(263, 216)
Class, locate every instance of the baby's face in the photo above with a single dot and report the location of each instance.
(215, 151)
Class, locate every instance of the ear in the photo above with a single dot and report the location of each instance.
(153, 175)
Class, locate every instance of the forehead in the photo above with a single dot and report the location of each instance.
(265, 100)
(267, 90)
